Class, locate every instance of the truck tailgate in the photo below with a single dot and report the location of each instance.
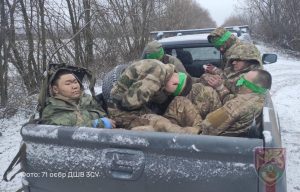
(89, 159)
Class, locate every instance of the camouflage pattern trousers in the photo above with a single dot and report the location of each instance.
(183, 115)
(180, 117)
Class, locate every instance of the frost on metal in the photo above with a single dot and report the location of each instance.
(157, 167)
(127, 140)
(181, 169)
(94, 135)
(86, 134)
(45, 131)
(267, 136)
(42, 158)
(49, 158)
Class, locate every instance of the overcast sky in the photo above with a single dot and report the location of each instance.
(219, 10)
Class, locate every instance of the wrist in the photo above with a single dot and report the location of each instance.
(217, 71)
(95, 123)
(220, 87)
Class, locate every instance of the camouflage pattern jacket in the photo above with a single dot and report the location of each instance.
(204, 98)
(226, 55)
(235, 117)
(169, 59)
(142, 82)
(63, 111)
(242, 51)
(230, 76)
(228, 47)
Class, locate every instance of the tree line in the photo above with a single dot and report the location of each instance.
(97, 34)
(275, 21)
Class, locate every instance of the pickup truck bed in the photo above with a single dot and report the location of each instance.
(113, 160)
(61, 158)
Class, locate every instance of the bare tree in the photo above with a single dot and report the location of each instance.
(25, 65)
(74, 17)
(58, 30)
(42, 37)
(291, 21)
(234, 20)
(185, 14)
(88, 35)
(133, 18)
(275, 21)
(122, 29)
(3, 56)
(97, 34)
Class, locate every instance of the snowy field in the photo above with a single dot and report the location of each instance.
(286, 98)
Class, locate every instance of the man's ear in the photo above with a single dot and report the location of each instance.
(55, 89)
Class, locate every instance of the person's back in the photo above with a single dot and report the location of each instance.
(144, 81)
(146, 86)
(205, 99)
(145, 76)
(175, 61)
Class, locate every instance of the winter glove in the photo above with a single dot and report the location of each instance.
(102, 122)
(106, 123)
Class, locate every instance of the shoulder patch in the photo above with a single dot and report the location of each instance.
(234, 105)
(217, 117)
(230, 107)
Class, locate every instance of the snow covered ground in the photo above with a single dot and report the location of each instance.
(9, 145)
(286, 98)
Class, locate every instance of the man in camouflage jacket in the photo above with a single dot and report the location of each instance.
(69, 106)
(184, 114)
(238, 113)
(144, 82)
(224, 41)
(243, 58)
(154, 50)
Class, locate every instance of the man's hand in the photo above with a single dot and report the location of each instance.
(210, 68)
(215, 81)
(113, 123)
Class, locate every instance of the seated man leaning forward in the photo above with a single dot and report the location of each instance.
(236, 116)
(69, 106)
(143, 82)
